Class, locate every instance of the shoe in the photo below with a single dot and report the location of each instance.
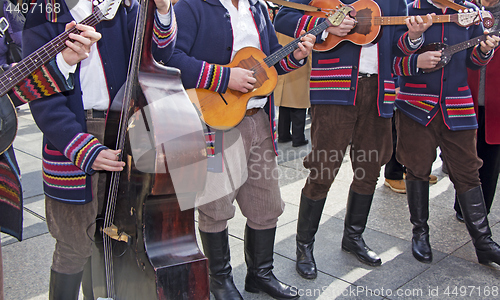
(285, 139)
(433, 179)
(304, 142)
(397, 186)
(459, 217)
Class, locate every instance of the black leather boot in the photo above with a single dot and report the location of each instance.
(358, 208)
(216, 249)
(259, 247)
(418, 202)
(64, 286)
(307, 226)
(476, 219)
(87, 288)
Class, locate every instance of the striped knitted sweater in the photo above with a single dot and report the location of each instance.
(422, 96)
(68, 151)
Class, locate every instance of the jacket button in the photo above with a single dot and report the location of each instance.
(228, 48)
(428, 117)
(352, 88)
(354, 67)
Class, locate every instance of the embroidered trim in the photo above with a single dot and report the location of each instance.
(331, 78)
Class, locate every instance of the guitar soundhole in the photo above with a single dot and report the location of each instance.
(259, 71)
(364, 26)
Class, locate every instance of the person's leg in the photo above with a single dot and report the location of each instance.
(371, 148)
(72, 226)
(393, 171)
(416, 149)
(260, 202)
(331, 132)
(298, 117)
(284, 122)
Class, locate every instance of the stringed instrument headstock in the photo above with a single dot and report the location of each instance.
(336, 16)
(471, 17)
(107, 7)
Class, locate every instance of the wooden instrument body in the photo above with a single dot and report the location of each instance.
(162, 259)
(8, 122)
(445, 55)
(224, 111)
(363, 33)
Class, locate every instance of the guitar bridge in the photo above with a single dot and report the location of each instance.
(113, 232)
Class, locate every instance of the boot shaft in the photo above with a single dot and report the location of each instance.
(356, 215)
(64, 286)
(216, 249)
(417, 193)
(309, 217)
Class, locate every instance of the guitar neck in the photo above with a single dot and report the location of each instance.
(274, 58)
(401, 20)
(469, 43)
(41, 56)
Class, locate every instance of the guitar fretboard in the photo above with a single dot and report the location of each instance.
(469, 43)
(274, 58)
(41, 56)
(401, 20)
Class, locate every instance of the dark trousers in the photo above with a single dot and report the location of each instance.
(296, 117)
(333, 127)
(417, 145)
(490, 154)
(393, 169)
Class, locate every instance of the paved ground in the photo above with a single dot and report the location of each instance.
(454, 273)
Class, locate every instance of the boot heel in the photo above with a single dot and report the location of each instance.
(251, 288)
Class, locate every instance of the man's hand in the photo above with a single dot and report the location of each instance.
(416, 25)
(344, 28)
(163, 6)
(305, 46)
(107, 160)
(490, 43)
(241, 80)
(79, 49)
(429, 59)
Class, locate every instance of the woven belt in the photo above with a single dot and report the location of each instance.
(252, 111)
(366, 75)
(95, 114)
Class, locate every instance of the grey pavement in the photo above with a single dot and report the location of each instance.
(454, 273)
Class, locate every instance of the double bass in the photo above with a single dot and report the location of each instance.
(146, 238)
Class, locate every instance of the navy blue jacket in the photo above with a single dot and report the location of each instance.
(334, 74)
(422, 96)
(68, 151)
(205, 43)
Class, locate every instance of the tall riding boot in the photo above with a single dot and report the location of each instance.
(259, 247)
(476, 220)
(64, 286)
(216, 248)
(358, 208)
(87, 288)
(418, 202)
(307, 226)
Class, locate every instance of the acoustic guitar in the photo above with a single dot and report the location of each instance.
(105, 10)
(367, 13)
(448, 51)
(225, 110)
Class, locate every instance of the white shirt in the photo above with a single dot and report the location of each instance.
(244, 35)
(93, 83)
